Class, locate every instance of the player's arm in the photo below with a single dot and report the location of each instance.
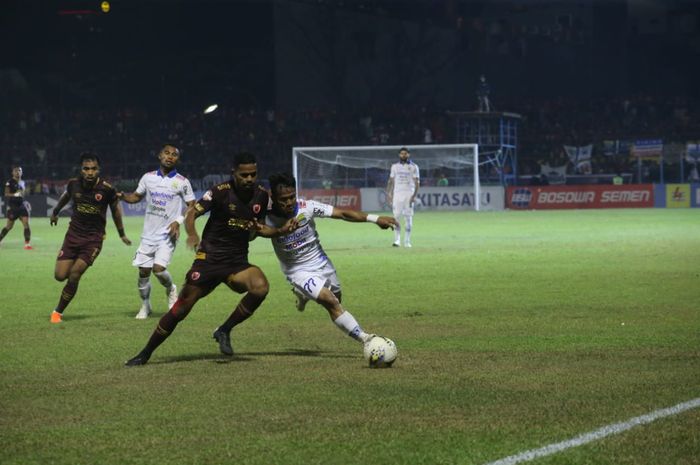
(193, 212)
(62, 201)
(390, 189)
(353, 216)
(7, 190)
(174, 227)
(416, 185)
(264, 230)
(118, 220)
(132, 197)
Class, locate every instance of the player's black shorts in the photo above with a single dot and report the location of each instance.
(207, 275)
(75, 247)
(17, 212)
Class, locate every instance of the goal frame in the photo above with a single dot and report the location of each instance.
(388, 148)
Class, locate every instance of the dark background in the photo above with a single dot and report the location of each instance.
(305, 72)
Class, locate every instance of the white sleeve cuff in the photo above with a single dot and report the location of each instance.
(372, 218)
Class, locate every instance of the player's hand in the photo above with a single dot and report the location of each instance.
(291, 225)
(126, 240)
(193, 241)
(174, 231)
(53, 221)
(387, 222)
(120, 195)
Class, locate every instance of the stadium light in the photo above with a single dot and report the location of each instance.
(210, 109)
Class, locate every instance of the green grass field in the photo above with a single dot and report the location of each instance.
(515, 330)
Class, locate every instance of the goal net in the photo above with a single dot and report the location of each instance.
(369, 166)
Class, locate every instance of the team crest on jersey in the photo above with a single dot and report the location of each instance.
(98, 196)
(256, 208)
(232, 207)
(78, 195)
(195, 275)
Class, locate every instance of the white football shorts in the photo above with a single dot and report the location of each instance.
(149, 254)
(402, 205)
(310, 283)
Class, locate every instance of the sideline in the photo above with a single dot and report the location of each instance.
(600, 433)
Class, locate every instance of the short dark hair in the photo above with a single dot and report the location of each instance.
(89, 156)
(170, 144)
(283, 180)
(404, 148)
(243, 158)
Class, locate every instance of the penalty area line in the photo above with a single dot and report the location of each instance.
(600, 433)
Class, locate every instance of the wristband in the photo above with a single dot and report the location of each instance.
(180, 219)
(121, 232)
(372, 218)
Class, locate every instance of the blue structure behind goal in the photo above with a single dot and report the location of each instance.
(497, 136)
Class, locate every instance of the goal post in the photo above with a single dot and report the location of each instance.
(369, 165)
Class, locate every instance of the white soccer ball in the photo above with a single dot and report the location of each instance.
(380, 352)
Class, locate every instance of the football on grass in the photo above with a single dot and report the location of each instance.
(380, 352)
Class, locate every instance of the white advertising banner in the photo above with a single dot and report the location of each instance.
(439, 198)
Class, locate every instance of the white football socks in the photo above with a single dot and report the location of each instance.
(165, 279)
(349, 325)
(144, 288)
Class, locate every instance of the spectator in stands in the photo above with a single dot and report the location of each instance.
(442, 180)
(482, 95)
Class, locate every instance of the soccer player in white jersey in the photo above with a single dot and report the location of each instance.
(303, 260)
(167, 193)
(401, 190)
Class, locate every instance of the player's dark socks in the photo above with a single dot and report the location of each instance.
(67, 295)
(27, 234)
(165, 327)
(245, 308)
(3, 233)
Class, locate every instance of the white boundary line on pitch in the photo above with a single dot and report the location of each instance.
(600, 433)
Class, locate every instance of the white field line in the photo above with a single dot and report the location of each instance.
(600, 433)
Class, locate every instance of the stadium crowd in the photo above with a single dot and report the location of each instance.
(47, 141)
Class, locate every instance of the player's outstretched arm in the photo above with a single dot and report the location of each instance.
(383, 222)
(264, 230)
(62, 201)
(132, 197)
(119, 221)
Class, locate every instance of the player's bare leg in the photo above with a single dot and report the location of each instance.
(27, 233)
(341, 317)
(253, 282)
(188, 297)
(6, 229)
(166, 280)
(144, 286)
(72, 271)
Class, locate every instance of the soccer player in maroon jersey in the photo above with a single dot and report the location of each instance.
(234, 207)
(91, 196)
(16, 207)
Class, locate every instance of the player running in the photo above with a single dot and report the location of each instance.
(302, 259)
(401, 191)
(86, 232)
(16, 206)
(222, 254)
(166, 192)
